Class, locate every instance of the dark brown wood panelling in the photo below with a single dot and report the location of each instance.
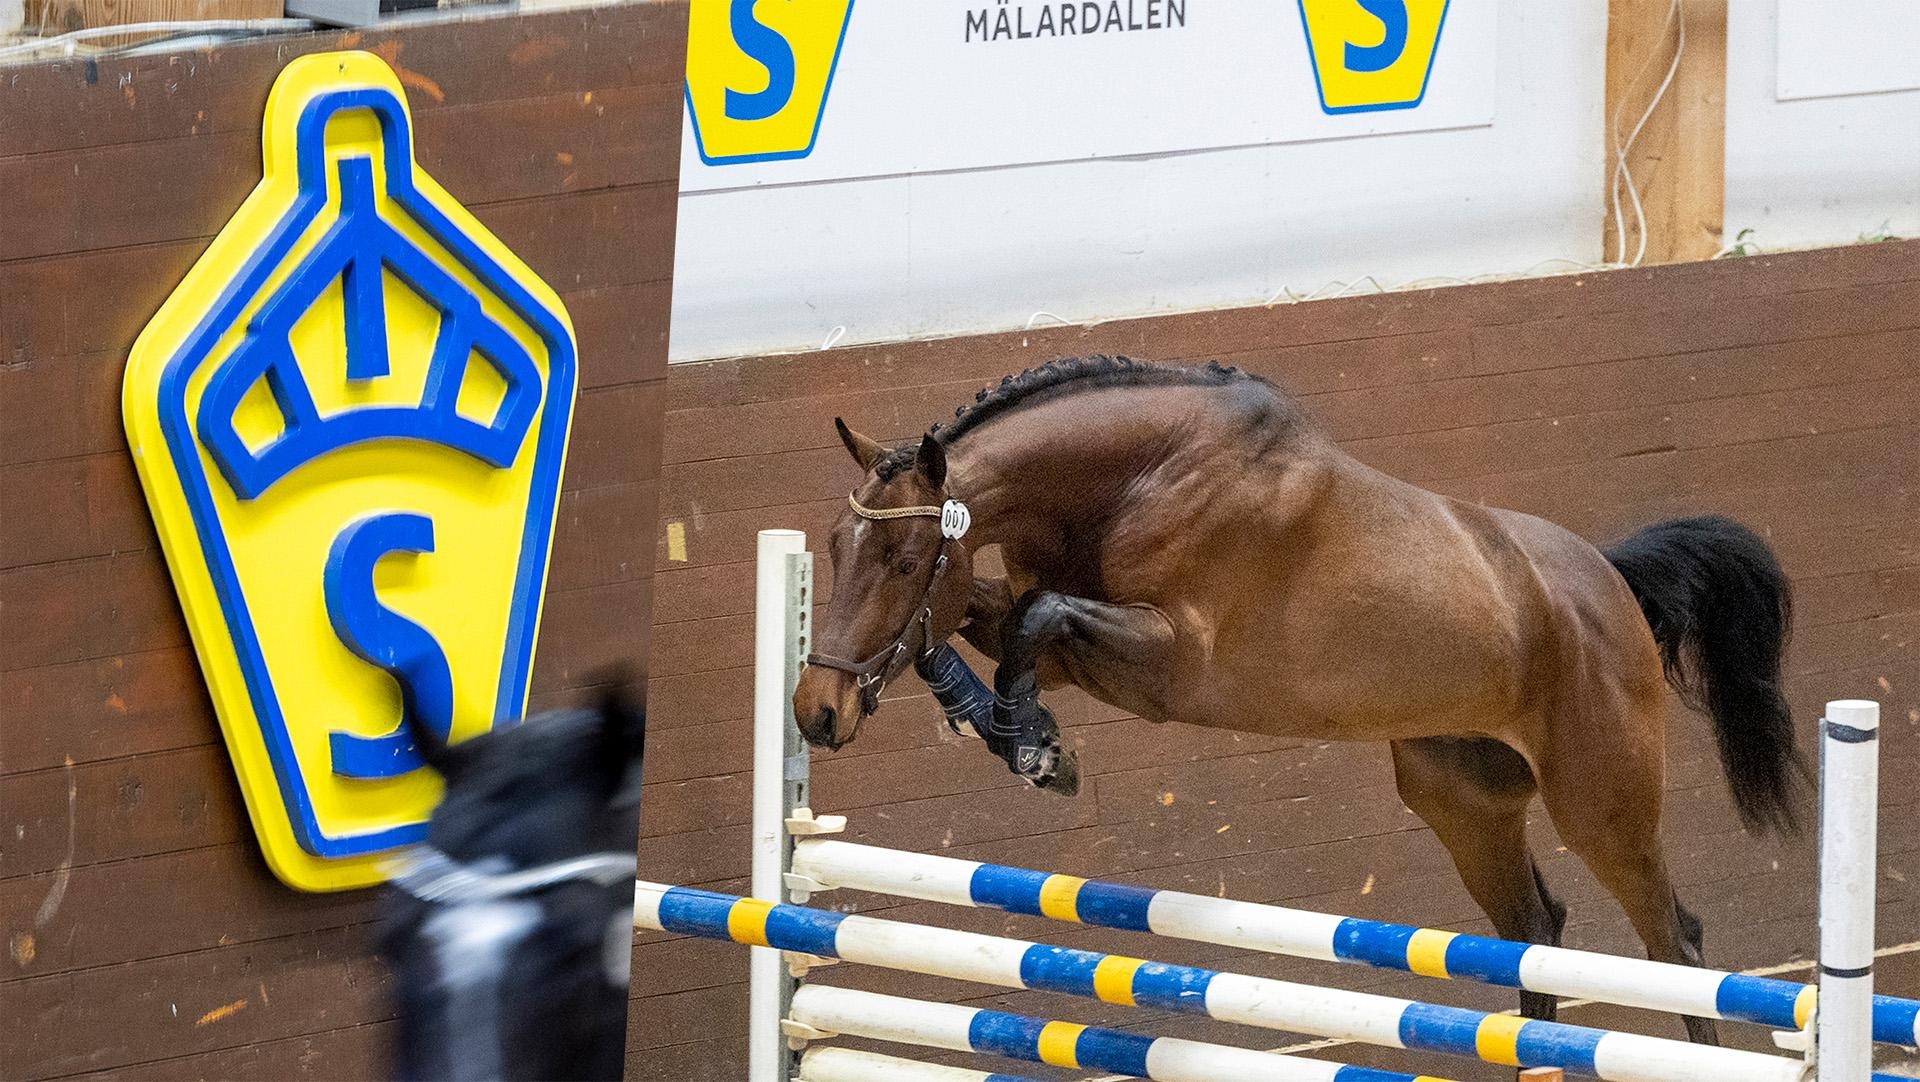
(1783, 390)
(145, 937)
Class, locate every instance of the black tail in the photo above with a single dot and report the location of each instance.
(1721, 610)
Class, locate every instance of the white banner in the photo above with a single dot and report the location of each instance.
(1831, 49)
(785, 91)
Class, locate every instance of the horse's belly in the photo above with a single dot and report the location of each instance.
(1377, 680)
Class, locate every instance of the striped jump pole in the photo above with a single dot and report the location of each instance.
(1229, 997)
(848, 1065)
(1060, 1044)
(822, 864)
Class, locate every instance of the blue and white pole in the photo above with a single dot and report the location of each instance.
(1299, 933)
(1229, 997)
(1060, 1044)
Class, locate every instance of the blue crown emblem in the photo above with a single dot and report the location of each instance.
(356, 250)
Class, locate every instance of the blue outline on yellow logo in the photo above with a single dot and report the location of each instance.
(1352, 81)
(220, 357)
(710, 55)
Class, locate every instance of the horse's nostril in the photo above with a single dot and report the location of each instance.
(823, 723)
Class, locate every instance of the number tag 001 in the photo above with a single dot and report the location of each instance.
(954, 520)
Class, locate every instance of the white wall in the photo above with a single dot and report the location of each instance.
(1813, 170)
(778, 267)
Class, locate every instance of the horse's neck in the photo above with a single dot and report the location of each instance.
(1031, 476)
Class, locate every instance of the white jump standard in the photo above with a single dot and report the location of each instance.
(1850, 1014)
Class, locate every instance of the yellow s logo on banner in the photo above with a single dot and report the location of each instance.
(1372, 55)
(350, 421)
(758, 75)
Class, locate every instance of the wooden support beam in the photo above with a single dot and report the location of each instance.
(1679, 161)
(60, 16)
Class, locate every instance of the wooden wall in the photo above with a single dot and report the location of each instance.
(1782, 390)
(61, 16)
(145, 937)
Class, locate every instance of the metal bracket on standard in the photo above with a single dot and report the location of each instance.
(799, 1033)
(799, 962)
(1794, 1040)
(804, 823)
(801, 887)
(1802, 1041)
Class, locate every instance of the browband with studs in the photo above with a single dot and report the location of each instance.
(953, 515)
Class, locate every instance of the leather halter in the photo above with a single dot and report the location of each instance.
(872, 674)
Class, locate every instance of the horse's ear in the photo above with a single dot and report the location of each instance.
(435, 750)
(623, 721)
(931, 461)
(864, 451)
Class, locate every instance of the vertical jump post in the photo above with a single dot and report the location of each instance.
(783, 582)
(1849, 814)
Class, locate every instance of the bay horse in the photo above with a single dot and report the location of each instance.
(510, 932)
(1186, 544)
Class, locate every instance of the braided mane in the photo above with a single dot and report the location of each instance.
(1070, 375)
(1058, 379)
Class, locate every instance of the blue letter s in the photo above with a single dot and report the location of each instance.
(387, 639)
(1393, 14)
(770, 49)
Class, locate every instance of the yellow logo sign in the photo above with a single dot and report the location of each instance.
(1371, 55)
(350, 420)
(758, 75)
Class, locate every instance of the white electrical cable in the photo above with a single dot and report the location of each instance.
(68, 40)
(1622, 173)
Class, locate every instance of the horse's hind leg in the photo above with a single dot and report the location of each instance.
(1605, 801)
(1474, 792)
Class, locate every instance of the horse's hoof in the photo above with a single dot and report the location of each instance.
(1065, 779)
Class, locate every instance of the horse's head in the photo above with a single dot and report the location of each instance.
(901, 582)
(522, 900)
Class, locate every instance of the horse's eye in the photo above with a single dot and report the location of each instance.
(906, 567)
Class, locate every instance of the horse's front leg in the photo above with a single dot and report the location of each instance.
(1111, 650)
(963, 698)
(987, 609)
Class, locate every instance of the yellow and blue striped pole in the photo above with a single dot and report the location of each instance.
(1229, 997)
(1060, 1044)
(1633, 982)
